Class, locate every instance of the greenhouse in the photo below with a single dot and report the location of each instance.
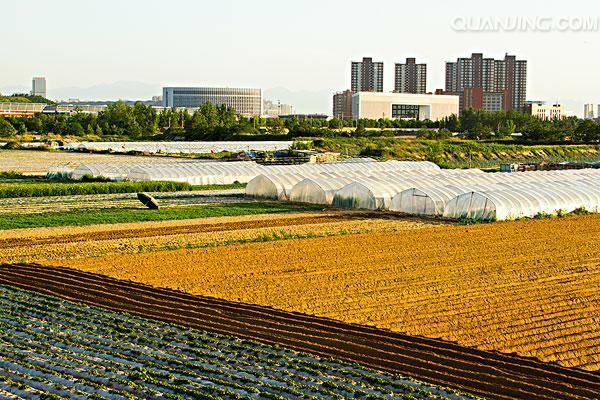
(115, 172)
(425, 201)
(370, 194)
(180, 147)
(317, 190)
(198, 173)
(276, 187)
(522, 202)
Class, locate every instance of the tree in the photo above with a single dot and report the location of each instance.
(6, 128)
(145, 117)
(74, 128)
(479, 132)
(587, 131)
(506, 128)
(118, 119)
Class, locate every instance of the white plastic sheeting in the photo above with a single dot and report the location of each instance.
(370, 194)
(458, 194)
(110, 171)
(429, 201)
(199, 173)
(180, 147)
(317, 190)
(523, 202)
(275, 187)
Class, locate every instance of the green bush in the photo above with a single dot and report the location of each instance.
(68, 189)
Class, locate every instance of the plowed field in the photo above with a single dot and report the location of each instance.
(493, 375)
(39, 244)
(526, 287)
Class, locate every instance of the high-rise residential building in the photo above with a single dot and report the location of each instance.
(588, 111)
(367, 76)
(247, 102)
(488, 84)
(410, 77)
(38, 86)
(342, 105)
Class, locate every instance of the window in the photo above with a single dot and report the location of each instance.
(405, 111)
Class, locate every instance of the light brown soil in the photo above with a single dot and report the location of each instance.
(526, 287)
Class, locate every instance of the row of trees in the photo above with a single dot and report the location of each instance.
(212, 122)
(139, 120)
(477, 124)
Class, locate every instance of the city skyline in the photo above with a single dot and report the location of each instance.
(267, 47)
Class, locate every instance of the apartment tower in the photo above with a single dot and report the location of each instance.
(410, 77)
(367, 76)
(488, 84)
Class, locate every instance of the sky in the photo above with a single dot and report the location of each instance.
(303, 46)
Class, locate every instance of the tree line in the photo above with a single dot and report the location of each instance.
(213, 122)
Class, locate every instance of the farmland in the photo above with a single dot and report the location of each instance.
(491, 286)
(44, 204)
(58, 243)
(489, 374)
(505, 310)
(93, 353)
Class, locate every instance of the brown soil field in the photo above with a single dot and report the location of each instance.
(489, 374)
(525, 287)
(57, 243)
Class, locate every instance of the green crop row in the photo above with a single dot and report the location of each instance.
(17, 189)
(55, 348)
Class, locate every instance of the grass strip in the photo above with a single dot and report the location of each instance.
(33, 189)
(113, 216)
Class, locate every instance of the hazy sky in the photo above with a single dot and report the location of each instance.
(299, 45)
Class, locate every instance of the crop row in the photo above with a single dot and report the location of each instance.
(511, 287)
(76, 242)
(11, 190)
(58, 348)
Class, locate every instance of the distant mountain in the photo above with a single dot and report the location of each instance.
(9, 90)
(304, 101)
(124, 90)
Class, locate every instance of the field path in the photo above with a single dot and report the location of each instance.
(490, 374)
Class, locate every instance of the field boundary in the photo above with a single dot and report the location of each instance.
(489, 374)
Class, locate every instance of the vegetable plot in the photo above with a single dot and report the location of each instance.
(52, 347)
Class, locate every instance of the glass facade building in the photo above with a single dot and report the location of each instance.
(247, 102)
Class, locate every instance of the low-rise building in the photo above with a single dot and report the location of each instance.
(546, 112)
(277, 108)
(403, 106)
(9, 109)
(342, 105)
(247, 102)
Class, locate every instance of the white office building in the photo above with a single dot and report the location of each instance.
(403, 106)
(247, 102)
(546, 112)
(38, 86)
